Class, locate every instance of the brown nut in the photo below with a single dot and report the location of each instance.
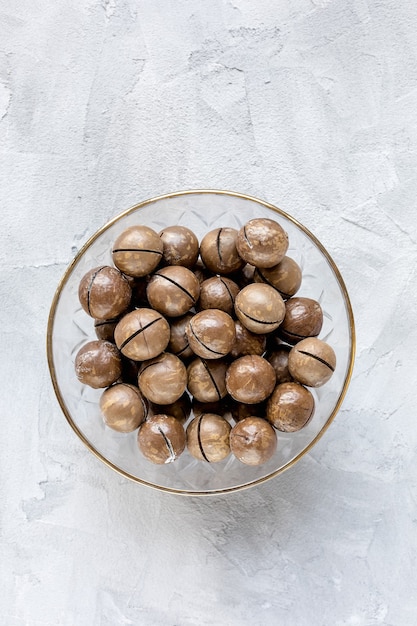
(98, 364)
(260, 308)
(290, 407)
(303, 318)
(137, 250)
(104, 293)
(262, 242)
(247, 342)
(163, 379)
(201, 272)
(207, 380)
(250, 379)
(278, 358)
(218, 292)
(218, 251)
(285, 277)
(208, 438)
(245, 276)
(180, 246)
(211, 334)
(173, 290)
(142, 334)
(312, 362)
(161, 439)
(180, 409)
(123, 407)
(105, 328)
(178, 341)
(253, 441)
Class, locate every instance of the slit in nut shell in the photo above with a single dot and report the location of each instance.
(285, 277)
(208, 438)
(259, 308)
(218, 292)
(218, 251)
(211, 334)
(207, 380)
(262, 242)
(161, 439)
(142, 334)
(104, 293)
(137, 251)
(173, 290)
(312, 362)
(303, 318)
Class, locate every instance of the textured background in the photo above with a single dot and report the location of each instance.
(309, 104)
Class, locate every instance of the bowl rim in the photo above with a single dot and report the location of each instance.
(67, 274)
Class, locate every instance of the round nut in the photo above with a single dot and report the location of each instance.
(250, 379)
(173, 290)
(208, 438)
(245, 276)
(98, 364)
(262, 242)
(303, 318)
(278, 358)
(253, 441)
(180, 246)
(218, 251)
(142, 334)
(178, 341)
(218, 292)
(123, 407)
(137, 250)
(104, 293)
(285, 277)
(161, 439)
(163, 379)
(105, 328)
(260, 308)
(247, 342)
(211, 334)
(312, 362)
(207, 380)
(290, 407)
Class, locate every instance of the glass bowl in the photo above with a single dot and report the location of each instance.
(69, 327)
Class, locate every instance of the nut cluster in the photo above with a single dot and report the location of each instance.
(203, 346)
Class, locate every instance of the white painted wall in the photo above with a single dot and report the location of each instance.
(309, 104)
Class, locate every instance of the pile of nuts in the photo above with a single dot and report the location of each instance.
(213, 327)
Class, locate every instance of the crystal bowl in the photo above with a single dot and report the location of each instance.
(69, 328)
